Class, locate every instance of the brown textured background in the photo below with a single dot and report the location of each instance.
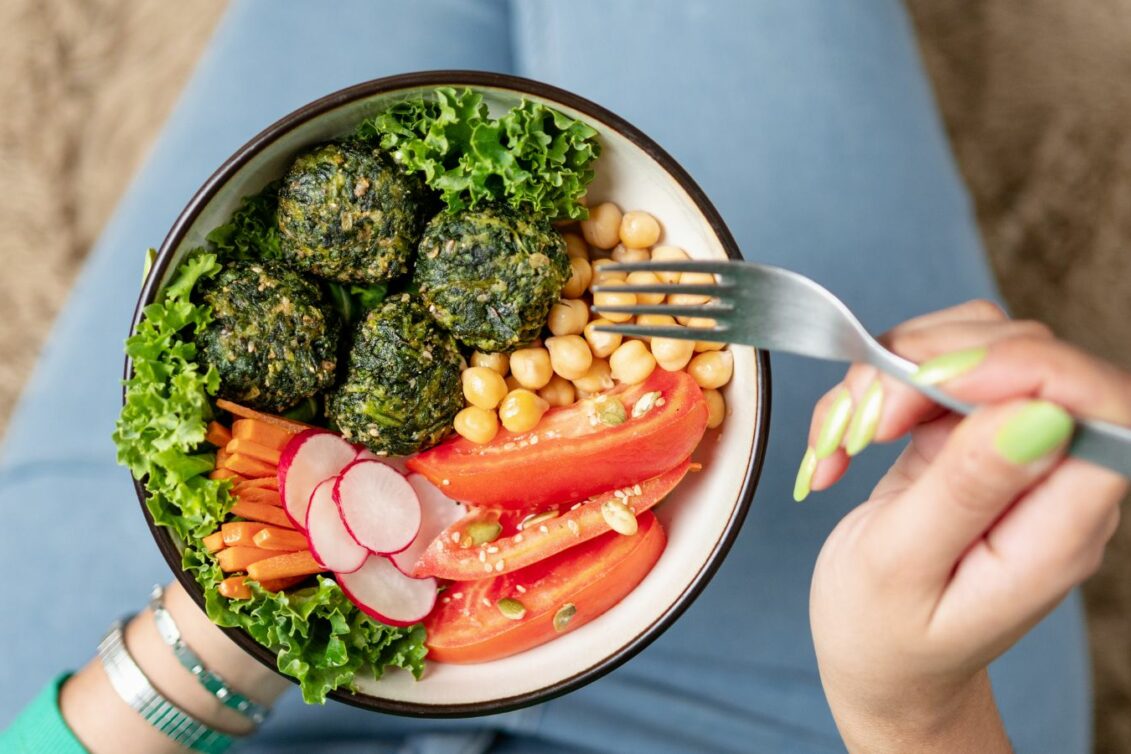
(1034, 93)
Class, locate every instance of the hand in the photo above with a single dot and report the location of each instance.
(980, 528)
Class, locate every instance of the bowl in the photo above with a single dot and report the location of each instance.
(702, 516)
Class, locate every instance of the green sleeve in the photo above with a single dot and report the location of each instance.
(40, 728)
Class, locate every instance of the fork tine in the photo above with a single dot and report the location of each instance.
(714, 334)
(689, 265)
(714, 311)
(705, 290)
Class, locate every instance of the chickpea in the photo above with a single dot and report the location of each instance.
(672, 353)
(569, 355)
(692, 278)
(641, 277)
(568, 317)
(531, 367)
(483, 387)
(704, 345)
(521, 410)
(477, 424)
(653, 320)
(624, 254)
(639, 229)
(602, 227)
(558, 391)
(601, 277)
(712, 369)
(601, 343)
(632, 362)
(668, 254)
(576, 247)
(716, 408)
(581, 275)
(597, 378)
(613, 298)
(500, 362)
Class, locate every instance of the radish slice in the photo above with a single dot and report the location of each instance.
(437, 512)
(385, 594)
(330, 543)
(380, 509)
(306, 460)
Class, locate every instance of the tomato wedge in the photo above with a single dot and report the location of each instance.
(479, 621)
(572, 453)
(455, 555)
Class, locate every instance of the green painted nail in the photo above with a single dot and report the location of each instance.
(801, 487)
(866, 420)
(1033, 432)
(836, 422)
(948, 366)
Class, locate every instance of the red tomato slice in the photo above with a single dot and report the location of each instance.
(453, 555)
(553, 596)
(572, 454)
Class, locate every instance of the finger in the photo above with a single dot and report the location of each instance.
(987, 461)
(927, 440)
(975, 310)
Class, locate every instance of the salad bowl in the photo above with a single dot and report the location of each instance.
(702, 516)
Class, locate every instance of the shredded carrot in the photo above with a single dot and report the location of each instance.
(259, 483)
(225, 474)
(217, 434)
(240, 533)
(301, 563)
(269, 435)
(253, 450)
(267, 514)
(282, 540)
(236, 588)
(249, 413)
(214, 542)
(239, 558)
(247, 466)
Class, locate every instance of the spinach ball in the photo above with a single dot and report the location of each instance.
(490, 275)
(273, 338)
(347, 213)
(402, 388)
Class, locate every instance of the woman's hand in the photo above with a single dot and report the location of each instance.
(979, 529)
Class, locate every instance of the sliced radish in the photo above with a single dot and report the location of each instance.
(330, 543)
(379, 507)
(385, 594)
(437, 512)
(306, 460)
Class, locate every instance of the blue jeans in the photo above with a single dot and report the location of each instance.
(811, 126)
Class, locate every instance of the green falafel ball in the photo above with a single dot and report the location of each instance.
(402, 388)
(490, 275)
(347, 213)
(273, 338)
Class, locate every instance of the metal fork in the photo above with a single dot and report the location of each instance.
(778, 310)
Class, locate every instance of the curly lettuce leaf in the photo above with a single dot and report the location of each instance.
(320, 637)
(536, 158)
(251, 233)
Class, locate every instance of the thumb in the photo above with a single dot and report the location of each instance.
(989, 460)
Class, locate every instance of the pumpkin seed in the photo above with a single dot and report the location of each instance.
(619, 518)
(610, 410)
(511, 608)
(563, 616)
(484, 532)
(644, 404)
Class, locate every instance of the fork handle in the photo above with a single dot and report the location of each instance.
(1097, 441)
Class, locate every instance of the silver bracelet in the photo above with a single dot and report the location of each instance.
(131, 684)
(211, 681)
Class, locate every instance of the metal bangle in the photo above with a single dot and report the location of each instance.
(131, 684)
(212, 682)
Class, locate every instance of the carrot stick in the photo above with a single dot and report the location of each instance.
(249, 413)
(267, 514)
(253, 450)
(239, 558)
(301, 563)
(247, 466)
(259, 483)
(236, 588)
(217, 434)
(270, 435)
(278, 585)
(261, 496)
(225, 474)
(240, 533)
(285, 540)
(222, 456)
(214, 542)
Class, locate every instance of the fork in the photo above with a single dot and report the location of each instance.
(779, 310)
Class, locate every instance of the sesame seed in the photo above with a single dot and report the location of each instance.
(534, 440)
(636, 489)
(445, 482)
(517, 538)
(543, 529)
(499, 566)
(482, 556)
(492, 549)
(446, 600)
(520, 588)
(455, 536)
(486, 602)
(660, 401)
(575, 506)
(619, 493)
(487, 567)
(457, 596)
(573, 527)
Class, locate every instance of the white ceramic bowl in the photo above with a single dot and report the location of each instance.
(702, 517)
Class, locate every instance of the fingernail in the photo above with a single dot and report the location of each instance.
(836, 422)
(1033, 432)
(866, 420)
(802, 486)
(948, 366)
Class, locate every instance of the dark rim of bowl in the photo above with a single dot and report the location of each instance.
(592, 111)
